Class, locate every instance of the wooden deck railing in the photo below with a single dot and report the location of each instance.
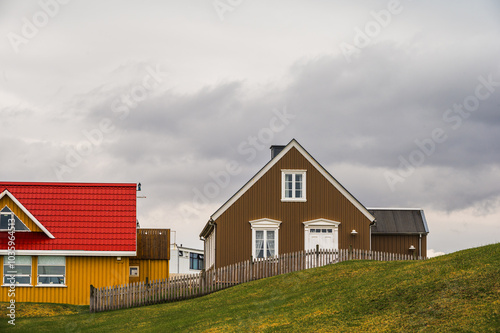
(178, 288)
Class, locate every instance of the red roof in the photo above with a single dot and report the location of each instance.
(80, 216)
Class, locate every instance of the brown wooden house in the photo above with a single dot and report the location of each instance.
(291, 204)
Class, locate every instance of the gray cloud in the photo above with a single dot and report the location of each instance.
(224, 79)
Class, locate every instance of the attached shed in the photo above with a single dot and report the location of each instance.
(399, 230)
(153, 255)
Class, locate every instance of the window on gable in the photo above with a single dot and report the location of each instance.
(293, 185)
(51, 270)
(17, 270)
(6, 215)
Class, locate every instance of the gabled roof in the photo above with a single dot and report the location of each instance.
(76, 218)
(399, 221)
(270, 164)
(20, 205)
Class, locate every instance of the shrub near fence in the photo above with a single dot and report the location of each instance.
(178, 288)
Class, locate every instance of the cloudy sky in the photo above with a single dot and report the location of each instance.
(399, 100)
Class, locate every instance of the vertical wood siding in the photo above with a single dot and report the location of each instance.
(263, 200)
(81, 272)
(399, 244)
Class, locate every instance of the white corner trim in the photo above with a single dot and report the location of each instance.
(20, 205)
(265, 223)
(69, 253)
(270, 164)
(321, 222)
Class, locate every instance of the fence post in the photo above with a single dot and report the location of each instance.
(317, 255)
(92, 307)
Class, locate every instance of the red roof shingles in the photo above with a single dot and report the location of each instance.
(81, 217)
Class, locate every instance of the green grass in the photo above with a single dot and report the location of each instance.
(459, 292)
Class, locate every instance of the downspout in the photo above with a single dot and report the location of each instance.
(420, 245)
(372, 223)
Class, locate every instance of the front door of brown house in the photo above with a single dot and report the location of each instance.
(322, 237)
(322, 232)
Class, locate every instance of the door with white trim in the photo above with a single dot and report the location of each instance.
(322, 237)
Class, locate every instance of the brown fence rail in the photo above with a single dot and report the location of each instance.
(178, 288)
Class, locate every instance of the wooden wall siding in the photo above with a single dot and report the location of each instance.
(153, 244)
(81, 272)
(263, 200)
(6, 201)
(398, 243)
(150, 269)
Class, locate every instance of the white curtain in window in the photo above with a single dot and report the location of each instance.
(259, 244)
(270, 243)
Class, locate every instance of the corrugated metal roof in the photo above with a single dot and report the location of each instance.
(398, 221)
(80, 216)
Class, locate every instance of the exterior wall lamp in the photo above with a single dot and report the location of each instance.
(354, 232)
(412, 248)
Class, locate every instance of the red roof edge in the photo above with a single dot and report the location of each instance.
(65, 184)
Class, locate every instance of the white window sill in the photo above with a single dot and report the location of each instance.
(17, 285)
(293, 200)
(51, 286)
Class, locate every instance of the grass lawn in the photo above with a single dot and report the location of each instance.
(459, 292)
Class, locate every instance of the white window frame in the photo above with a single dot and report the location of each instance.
(39, 284)
(293, 173)
(6, 272)
(265, 225)
(17, 219)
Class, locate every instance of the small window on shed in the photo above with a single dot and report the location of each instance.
(134, 271)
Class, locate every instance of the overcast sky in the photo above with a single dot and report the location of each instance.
(400, 101)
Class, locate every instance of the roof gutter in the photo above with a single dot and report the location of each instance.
(208, 228)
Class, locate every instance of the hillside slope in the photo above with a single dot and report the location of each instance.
(456, 292)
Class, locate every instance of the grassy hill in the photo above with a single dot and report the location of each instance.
(457, 292)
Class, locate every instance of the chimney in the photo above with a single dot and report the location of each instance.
(275, 150)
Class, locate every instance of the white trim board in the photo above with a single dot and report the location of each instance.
(70, 253)
(310, 159)
(20, 205)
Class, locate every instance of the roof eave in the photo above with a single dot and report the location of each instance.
(26, 211)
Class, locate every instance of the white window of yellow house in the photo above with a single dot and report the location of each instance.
(293, 185)
(51, 271)
(17, 270)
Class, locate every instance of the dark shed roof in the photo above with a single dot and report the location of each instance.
(399, 221)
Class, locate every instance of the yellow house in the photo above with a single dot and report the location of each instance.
(58, 239)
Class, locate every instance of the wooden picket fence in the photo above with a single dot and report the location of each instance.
(178, 288)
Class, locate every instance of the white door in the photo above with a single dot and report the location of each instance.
(322, 237)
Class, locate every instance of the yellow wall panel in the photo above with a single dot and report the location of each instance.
(150, 269)
(81, 272)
